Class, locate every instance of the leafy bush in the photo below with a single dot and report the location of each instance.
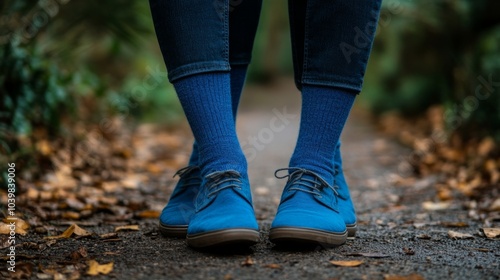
(438, 52)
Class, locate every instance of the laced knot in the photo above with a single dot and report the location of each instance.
(297, 181)
(221, 180)
(190, 175)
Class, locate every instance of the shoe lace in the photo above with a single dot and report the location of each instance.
(188, 174)
(295, 178)
(221, 180)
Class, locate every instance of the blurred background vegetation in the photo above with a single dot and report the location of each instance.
(64, 61)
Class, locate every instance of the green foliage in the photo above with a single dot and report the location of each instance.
(433, 52)
(33, 91)
(66, 60)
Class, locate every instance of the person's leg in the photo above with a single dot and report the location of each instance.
(197, 56)
(243, 21)
(331, 43)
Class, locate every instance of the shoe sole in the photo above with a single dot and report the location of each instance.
(173, 231)
(242, 237)
(304, 235)
(351, 230)
(181, 231)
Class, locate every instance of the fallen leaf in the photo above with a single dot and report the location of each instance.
(424, 236)
(459, 235)
(486, 250)
(108, 235)
(444, 193)
(129, 227)
(70, 215)
(72, 229)
(20, 256)
(75, 203)
(22, 271)
(95, 268)
(273, 266)
(491, 232)
(4, 242)
(149, 214)
(248, 262)
(110, 187)
(20, 226)
(495, 206)
(404, 277)
(79, 254)
(43, 146)
(44, 276)
(434, 206)
(369, 255)
(408, 251)
(347, 263)
(486, 146)
(454, 224)
(262, 191)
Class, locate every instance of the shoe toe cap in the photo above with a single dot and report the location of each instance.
(227, 211)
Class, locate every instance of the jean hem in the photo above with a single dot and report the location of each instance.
(332, 83)
(197, 68)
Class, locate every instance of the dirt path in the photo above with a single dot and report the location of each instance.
(397, 235)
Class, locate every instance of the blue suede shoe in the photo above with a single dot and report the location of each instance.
(224, 212)
(308, 211)
(346, 207)
(175, 217)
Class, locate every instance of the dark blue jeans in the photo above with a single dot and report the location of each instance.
(331, 39)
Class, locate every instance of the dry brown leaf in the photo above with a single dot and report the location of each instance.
(108, 235)
(110, 187)
(262, 191)
(408, 251)
(486, 250)
(486, 146)
(72, 229)
(459, 235)
(20, 226)
(95, 268)
(43, 147)
(404, 277)
(129, 227)
(434, 206)
(491, 232)
(273, 266)
(132, 181)
(248, 262)
(75, 203)
(154, 168)
(424, 236)
(495, 206)
(347, 263)
(149, 214)
(70, 215)
(455, 224)
(79, 254)
(23, 270)
(444, 194)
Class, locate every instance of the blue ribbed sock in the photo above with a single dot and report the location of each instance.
(238, 74)
(206, 100)
(324, 114)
